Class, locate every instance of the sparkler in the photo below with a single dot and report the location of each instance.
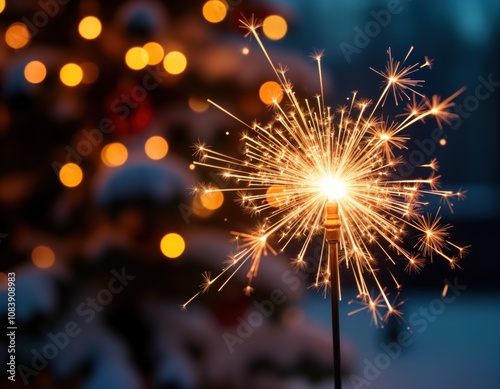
(313, 171)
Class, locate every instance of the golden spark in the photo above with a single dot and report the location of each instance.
(309, 157)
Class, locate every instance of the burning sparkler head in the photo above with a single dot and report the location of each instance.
(333, 187)
(309, 162)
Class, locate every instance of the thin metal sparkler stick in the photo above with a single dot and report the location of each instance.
(332, 234)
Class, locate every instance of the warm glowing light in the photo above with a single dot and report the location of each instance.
(192, 166)
(35, 72)
(442, 142)
(175, 62)
(156, 147)
(314, 164)
(2, 5)
(333, 188)
(43, 257)
(270, 93)
(71, 175)
(137, 58)
(212, 198)
(90, 72)
(274, 27)
(198, 105)
(114, 154)
(245, 51)
(17, 35)
(71, 74)
(90, 27)
(172, 245)
(214, 11)
(275, 196)
(155, 52)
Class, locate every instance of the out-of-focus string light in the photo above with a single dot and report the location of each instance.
(137, 58)
(155, 52)
(43, 257)
(35, 72)
(71, 74)
(2, 5)
(90, 27)
(274, 27)
(214, 11)
(175, 62)
(156, 147)
(198, 105)
(114, 154)
(270, 92)
(212, 199)
(17, 35)
(71, 175)
(172, 245)
(90, 72)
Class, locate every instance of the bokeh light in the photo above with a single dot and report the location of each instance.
(270, 92)
(275, 196)
(90, 72)
(156, 147)
(71, 175)
(2, 5)
(17, 35)
(71, 74)
(114, 154)
(43, 257)
(137, 58)
(442, 142)
(212, 199)
(90, 27)
(155, 52)
(35, 72)
(214, 11)
(175, 62)
(198, 105)
(274, 27)
(172, 245)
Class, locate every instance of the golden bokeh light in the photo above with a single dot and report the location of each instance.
(71, 74)
(442, 142)
(175, 62)
(270, 92)
(90, 72)
(198, 208)
(274, 27)
(212, 199)
(90, 27)
(114, 154)
(172, 245)
(35, 72)
(275, 196)
(214, 11)
(17, 35)
(43, 257)
(137, 58)
(156, 147)
(155, 52)
(71, 175)
(2, 5)
(198, 105)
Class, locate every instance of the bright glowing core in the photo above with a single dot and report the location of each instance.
(333, 188)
